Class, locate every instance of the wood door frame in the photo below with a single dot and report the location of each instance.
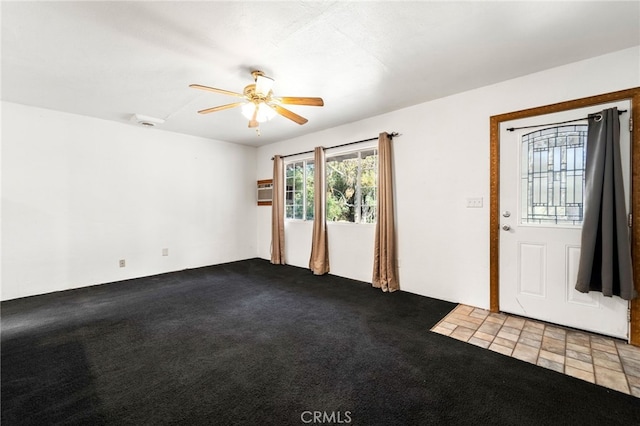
(494, 222)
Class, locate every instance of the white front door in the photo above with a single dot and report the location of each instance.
(541, 198)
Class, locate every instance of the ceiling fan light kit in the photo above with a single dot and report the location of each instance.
(259, 104)
(263, 84)
(265, 112)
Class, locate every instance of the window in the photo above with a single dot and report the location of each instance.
(352, 186)
(552, 175)
(299, 190)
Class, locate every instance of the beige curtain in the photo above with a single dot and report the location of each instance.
(385, 264)
(319, 261)
(277, 212)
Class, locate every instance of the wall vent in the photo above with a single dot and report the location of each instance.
(265, 192)
(145, 120)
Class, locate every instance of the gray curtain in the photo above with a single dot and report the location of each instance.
(277, 212)
(605, 254)
(319, 261)
(385, 263)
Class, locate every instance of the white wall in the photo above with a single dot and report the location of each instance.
(441, 159)
(79, 194)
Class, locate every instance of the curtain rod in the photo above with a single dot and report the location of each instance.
(391, 135)
(511, 129)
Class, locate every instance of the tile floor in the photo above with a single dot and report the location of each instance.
(598, 359)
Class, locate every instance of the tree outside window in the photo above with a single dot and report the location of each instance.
(299, 190)
(352, 187)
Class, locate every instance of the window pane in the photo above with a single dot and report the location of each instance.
(553, 175)
(310, 169)
(368, 177)
(298, 176)
(368, 209)
(299, 190)
(309, 210)
(351, 186)
(289, 187)
(342, 173)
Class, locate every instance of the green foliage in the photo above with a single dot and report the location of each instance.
(351, 188)
(341, 189)
(309, 189)
(299, 190)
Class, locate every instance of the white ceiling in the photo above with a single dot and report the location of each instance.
(113, 59)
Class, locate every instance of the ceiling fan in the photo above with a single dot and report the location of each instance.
(259, 104)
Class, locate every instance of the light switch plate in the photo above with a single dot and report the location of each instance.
(474, 203)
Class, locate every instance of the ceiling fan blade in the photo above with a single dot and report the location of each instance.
(220, 108)
(300, 101)
(288, 114)
(214, 90)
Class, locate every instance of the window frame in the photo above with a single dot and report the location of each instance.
(358, 187)
(330, 153)
(304, 160)
(522, 196)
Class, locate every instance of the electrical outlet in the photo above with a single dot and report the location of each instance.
(474, 203)
(165, 252)
(122, 263)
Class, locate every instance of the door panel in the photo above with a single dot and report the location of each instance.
(573, 296)
(532, 262)
(540, 199)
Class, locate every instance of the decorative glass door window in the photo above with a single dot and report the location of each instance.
(552, 175)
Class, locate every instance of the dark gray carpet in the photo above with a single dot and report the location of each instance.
(250, 343)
